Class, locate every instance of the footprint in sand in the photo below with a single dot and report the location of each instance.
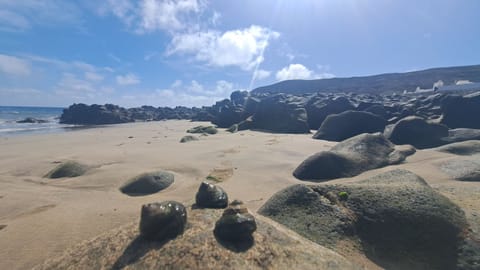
(2, 226)
(272, 141)
(37, 210)
(220, 174)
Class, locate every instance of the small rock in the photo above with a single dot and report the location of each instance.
(188, 138)
(148, 183)
(203, 130)
(162, 220)
(67, 169)
(211, 196)
(236, 224)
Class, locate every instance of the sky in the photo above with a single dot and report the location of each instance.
(196, 52)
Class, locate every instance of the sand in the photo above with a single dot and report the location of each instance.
(44, 217)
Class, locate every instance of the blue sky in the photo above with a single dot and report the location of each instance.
(195, 52)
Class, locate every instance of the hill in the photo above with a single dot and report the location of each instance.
(382, 83)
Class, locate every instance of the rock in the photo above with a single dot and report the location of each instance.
(188, 138)
(203, 129)
(281, 113)
(236, 224)
(461, 112)
(338, 127)
(233, 128)
(352, 157)
(228, 115)
(147, 183)
(94, 115)
(462, 134)
(396, 218)
(378, 110)
(463, 169)
(466, 148)
(67, 169)
(163, 220)
(417, 132)
(211, 196)
(31, 120)
(239, 98)
(318, 109)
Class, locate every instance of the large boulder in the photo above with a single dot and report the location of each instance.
(318, 109)
(94, 114)
(462, 134)
(229, 114)
(461, 112)
(281, 113)
(338, 127)
(352, 157)
(396, 219)
(147, 183)
(418, 132)
(465, 148)
(463, 169)
(211, 196)
(68, 169)
(163, 220)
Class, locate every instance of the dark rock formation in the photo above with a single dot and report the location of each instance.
(211, 196)
(417, 132)
(31, 120)
(203, 130)
(462, 134)
(162, 221)
(396, 218)
(188, 138)
(94, 115)
(68, 169)
(351, 157)
(319, 108)
(281, 113)
(148, 183)
(236, 224)
(461, 112)
(338, 127)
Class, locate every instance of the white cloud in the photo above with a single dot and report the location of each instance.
(127, 79)
(261, 74)
(242, 47)
(300, 72)
(144, 16)
(14, 66)
(93, 76)
(10, 21)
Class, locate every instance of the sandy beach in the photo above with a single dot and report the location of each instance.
(43, 217)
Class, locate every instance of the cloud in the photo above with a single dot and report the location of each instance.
(300, 72)
(145, 16)
(127, 79)
(93, 76)
(261, 74)
(14, 66)
(242, 47)
(22, 15)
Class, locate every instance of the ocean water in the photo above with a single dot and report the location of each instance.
(9, 116)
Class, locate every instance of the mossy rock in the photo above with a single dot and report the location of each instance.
(147, 183)
(188, 138)
(233, 128)
(68, 169)
(203, 129)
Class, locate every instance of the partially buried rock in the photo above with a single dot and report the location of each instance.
(236, 224)
(148, 183)
(188, 138)
(203, 129)
(211, 196)
(162, 220)
(31, 120)
(67, 169)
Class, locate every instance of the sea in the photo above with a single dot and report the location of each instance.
(9, 115)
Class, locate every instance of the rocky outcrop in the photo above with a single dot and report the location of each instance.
(319, 108)
(31, 120)
(352, 157)
(461, 112)
(147, 183)
(163, 220)
(282, 114)
(418, 132)
(396, 219)
(338, 127)
(94, 115)
(211, 196)
(68, 169)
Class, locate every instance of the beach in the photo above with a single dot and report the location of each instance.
(44, 217)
